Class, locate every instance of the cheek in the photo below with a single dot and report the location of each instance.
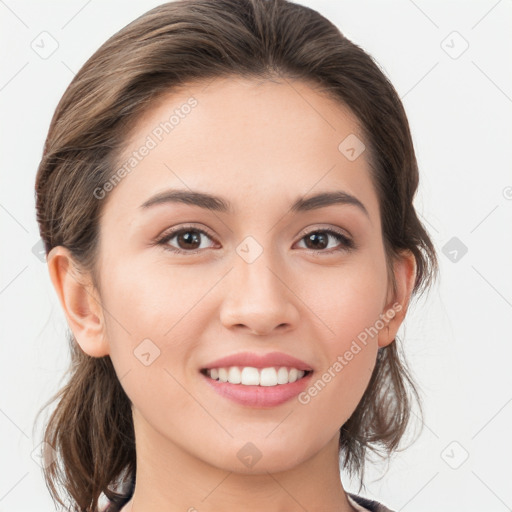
(347, 299)
(150, 336)
(148, 298)
(149, 319)
(346, 303)
(349, 349)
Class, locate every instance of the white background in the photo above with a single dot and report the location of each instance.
(457, 339)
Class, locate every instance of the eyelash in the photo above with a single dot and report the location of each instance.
(347, 244)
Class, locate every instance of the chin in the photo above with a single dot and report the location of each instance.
(261, 457)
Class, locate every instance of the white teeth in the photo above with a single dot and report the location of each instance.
(268, 377)
(223, 375)
(249, 376)
(234, 375)
(282, 375)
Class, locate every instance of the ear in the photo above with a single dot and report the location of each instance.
(79, 300)
(404, 269)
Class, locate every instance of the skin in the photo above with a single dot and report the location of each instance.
(260, 145)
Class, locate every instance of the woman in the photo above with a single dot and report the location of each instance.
(226, 201)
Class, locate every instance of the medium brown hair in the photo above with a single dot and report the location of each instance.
(173, 45)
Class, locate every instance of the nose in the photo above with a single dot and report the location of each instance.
(259, 298)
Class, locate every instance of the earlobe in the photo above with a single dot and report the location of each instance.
(394, 313)
(80, 302)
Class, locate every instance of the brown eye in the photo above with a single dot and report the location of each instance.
(188, 240)
(319, 240)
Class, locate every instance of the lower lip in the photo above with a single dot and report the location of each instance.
(259, 396)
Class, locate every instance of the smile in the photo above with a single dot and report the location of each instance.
(258, 387)
(250, 376)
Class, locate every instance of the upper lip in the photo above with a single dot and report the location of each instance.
(259, 361)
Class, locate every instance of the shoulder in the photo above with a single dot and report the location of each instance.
(366, 505)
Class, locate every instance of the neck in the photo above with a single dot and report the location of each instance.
(173, 480)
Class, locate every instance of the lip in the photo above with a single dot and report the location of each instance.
(256, 360)
(259, 396)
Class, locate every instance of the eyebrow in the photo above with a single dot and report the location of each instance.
(219, 204)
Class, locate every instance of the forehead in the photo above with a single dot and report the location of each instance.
(247, 139)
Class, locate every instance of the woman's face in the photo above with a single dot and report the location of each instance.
(263, 277)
